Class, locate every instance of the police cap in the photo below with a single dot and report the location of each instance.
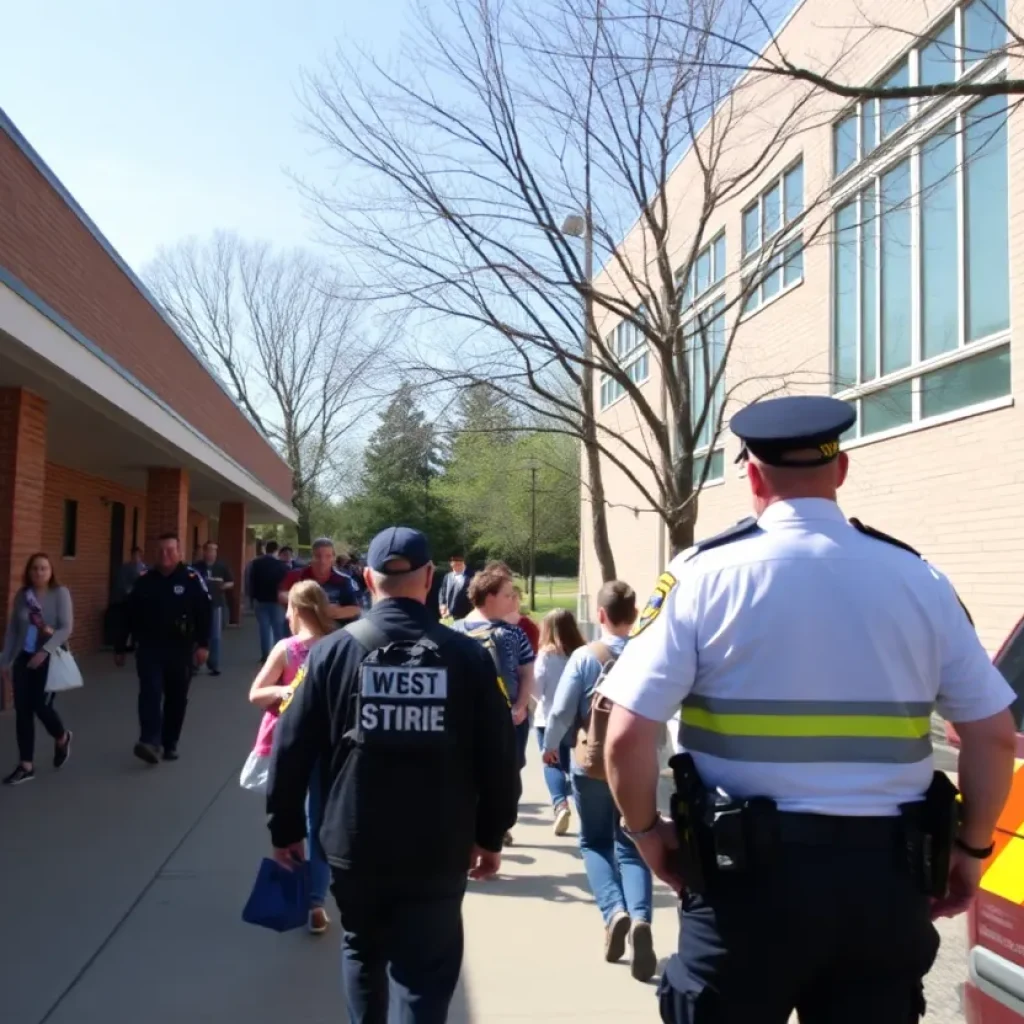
(776, 429)
(398, 542)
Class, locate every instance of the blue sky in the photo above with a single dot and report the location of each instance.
(171, 119)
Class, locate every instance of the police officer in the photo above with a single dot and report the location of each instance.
(169, 616)
(414, 738)
(807, 652)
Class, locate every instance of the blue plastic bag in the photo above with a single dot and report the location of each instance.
(279, 898)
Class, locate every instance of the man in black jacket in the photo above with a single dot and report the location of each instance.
(416, 746)
(454, 597)
(265, 576)
(169, 614)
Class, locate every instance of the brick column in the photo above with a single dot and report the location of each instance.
(231, 544)
(22, 482)
(166, 509)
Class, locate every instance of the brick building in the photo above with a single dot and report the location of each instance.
(888, 243)
(112, 429)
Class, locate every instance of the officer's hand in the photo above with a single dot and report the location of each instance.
(551, 757)
(290, 856)
(201, 655)
(483, 864)
(519, 714)
(659, 848)
(964, 880)
(119, 660)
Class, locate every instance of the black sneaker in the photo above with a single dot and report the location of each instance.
(214, 671)
(146, 752)
(20, 775)
(170, 754)
(61, 752)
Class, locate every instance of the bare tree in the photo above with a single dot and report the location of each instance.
(506, 119)
(277, 330)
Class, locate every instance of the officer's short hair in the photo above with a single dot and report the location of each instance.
(270, 547)
(322, 542)
(487, 583)
(170, 535)
(618, 601)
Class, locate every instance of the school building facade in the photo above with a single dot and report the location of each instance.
(112, 428)
(887, 242)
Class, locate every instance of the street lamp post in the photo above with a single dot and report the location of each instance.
(581, 226)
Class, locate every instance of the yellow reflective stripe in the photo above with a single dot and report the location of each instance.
(881, 726)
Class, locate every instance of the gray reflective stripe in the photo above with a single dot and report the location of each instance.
(894, 709)
(806, 749)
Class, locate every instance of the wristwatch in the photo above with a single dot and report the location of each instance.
(977, 852)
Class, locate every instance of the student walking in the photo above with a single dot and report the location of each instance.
(41, 621)
(309, 620)
(559, 637)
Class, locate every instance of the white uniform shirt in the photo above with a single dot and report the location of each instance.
(808, 657)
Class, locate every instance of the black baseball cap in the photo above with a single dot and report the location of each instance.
(398, 542)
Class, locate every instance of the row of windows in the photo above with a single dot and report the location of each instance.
(972, 32)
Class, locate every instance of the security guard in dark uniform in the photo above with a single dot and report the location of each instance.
(413, 736)
(169, 615)
(812, 841)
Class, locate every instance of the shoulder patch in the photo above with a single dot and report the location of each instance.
(870, 531)
(664, 586)
(743, 528)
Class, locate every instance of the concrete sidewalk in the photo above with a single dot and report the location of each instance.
(122, 885)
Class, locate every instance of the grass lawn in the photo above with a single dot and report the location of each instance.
(552, 592)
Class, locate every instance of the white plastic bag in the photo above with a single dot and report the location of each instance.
(64, 673)
(254, 772)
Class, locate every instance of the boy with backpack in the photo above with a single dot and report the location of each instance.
(493, 594)
(619, 879)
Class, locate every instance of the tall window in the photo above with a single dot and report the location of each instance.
(773, 255)
(704, 341)
(955, 49)
(69, 544)
(707, 271)
(630, 349)
(921, 299)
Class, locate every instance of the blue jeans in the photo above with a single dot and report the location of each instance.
(556, 777)
(402, 945)
(618, 876)
(271, 621)
(216, 630)
(319, 869)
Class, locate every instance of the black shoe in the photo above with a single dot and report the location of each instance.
(170, 754)
(61, 752)
(20, 775)
(146, 752)
(214, 671)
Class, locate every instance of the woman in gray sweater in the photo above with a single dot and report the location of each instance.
(41, 621)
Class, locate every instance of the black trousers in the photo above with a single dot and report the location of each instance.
(31, 701)
(841, 935)
(402, 945)
(164, 678)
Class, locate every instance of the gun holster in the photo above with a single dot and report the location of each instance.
(930, 827)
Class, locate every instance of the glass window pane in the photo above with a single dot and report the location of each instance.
(886, 409)
(894, 112)
(719, 261)
(869, 125)
(716, 471)
(896, 273)
(772, 282)
(984, 29)
(938, 58)
(968, 383)
(869, 285)
(751, 229)
(987, 220)
(752, 300)
(845, 143)
(772, 212)
(703, 271)
(844, 330)
(793, 268)
(940, 304)
(793, 192)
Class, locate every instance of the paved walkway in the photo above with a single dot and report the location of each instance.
(121, 888)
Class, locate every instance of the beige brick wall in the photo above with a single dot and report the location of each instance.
(953, 491)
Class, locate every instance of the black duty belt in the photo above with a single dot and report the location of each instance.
(834, 830)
